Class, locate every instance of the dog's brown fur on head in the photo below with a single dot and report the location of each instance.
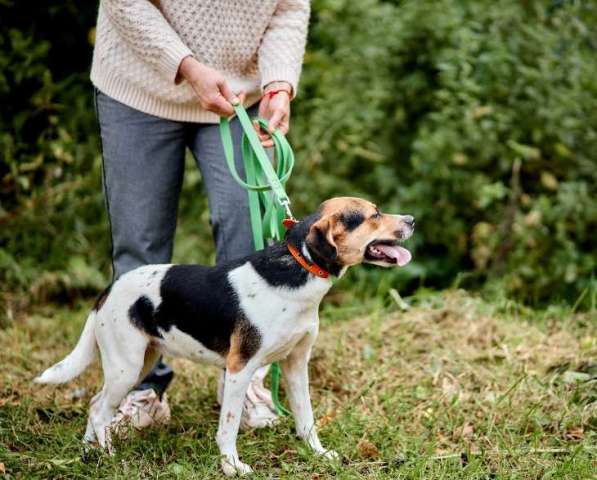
(348, 225)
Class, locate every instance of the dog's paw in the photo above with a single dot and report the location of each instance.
(232, 467)
(331, 455)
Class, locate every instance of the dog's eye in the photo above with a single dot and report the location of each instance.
(376, 215)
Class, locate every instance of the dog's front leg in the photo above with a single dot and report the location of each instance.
(296, 376)
(235, 388)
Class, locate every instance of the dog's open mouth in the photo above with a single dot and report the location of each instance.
(387, 251)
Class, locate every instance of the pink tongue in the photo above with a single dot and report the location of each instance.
(401, 254)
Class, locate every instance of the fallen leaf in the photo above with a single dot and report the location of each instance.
(327, 418)
(467, 430)
(367, 449)
(575, 433)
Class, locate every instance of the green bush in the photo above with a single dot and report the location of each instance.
(478, 117)
(53, 236)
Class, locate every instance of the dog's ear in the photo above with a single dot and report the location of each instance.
(321, 239)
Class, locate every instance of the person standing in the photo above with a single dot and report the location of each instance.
(164, 72)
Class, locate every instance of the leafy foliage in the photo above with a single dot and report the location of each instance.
(51, 210)
(478, 117)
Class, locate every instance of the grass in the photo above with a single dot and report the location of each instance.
(452, 387)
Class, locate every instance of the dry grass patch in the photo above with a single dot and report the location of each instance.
(452, 388)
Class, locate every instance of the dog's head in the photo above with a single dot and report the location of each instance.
(350, 231)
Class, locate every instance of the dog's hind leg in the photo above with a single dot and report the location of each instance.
(152, 355)
(89, 436)
(122, 363)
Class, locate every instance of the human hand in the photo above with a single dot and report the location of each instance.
(210, 87)
(276, 109)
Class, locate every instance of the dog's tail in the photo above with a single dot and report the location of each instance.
(76, 361)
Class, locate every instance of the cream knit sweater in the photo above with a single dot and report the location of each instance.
(140, 44)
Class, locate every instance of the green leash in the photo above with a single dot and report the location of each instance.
(268, 202)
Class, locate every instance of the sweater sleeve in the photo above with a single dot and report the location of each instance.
(145, 29)
(283, 44)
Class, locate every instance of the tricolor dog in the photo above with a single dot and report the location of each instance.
(239, 315)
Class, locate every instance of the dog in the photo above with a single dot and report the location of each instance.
(240, 315)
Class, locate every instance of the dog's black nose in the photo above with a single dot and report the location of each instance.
(409, 220)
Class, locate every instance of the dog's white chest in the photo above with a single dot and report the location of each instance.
(282, 315)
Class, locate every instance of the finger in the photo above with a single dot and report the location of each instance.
(267, 143)
(284, 124)
(227, 93)
(242, 96)
(283, 127)
(221, 106)
(259, 132)
(275, 120)
(264, 138)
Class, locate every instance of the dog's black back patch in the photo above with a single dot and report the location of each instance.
(199, 301)
(141, 315)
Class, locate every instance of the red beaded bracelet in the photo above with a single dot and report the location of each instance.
(272, 93)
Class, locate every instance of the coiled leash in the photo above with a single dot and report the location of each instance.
(269, 204)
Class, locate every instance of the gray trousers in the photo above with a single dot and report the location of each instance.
(143, 165)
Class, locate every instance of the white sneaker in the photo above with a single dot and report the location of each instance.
(141, 409)
(258, 408)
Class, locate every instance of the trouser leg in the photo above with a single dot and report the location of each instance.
(143, 162)
(228, 201)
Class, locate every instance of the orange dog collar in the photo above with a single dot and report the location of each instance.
(311, 268)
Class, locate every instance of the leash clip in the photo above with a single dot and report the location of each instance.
(286, 204)
(289, 221)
